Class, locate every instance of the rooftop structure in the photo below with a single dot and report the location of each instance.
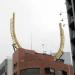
(28, 62)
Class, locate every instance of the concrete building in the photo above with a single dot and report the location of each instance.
(6, 67)
(71, 21)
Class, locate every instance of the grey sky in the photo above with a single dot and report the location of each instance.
(37, 17)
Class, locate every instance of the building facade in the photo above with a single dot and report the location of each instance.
(28, 62)
(6, 67)
(67, 57)
(71, 22)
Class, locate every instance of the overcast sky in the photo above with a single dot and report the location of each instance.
(38, 19)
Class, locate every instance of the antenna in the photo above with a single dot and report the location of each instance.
(43, 47)
(31, 40)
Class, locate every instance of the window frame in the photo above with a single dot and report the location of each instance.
(49, 68)
(30, 71)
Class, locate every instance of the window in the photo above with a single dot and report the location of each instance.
(74, 34)
(15, 73)
(15, 65)
(49, 71)
(3, 73)
(30, 71)
(69, 1)
(61, 73)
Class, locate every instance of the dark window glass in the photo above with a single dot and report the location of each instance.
(49, 71)
(15, 73)
(15, 65)
(30, 71)
(61, 73)
(3, 70)
(69, 1)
